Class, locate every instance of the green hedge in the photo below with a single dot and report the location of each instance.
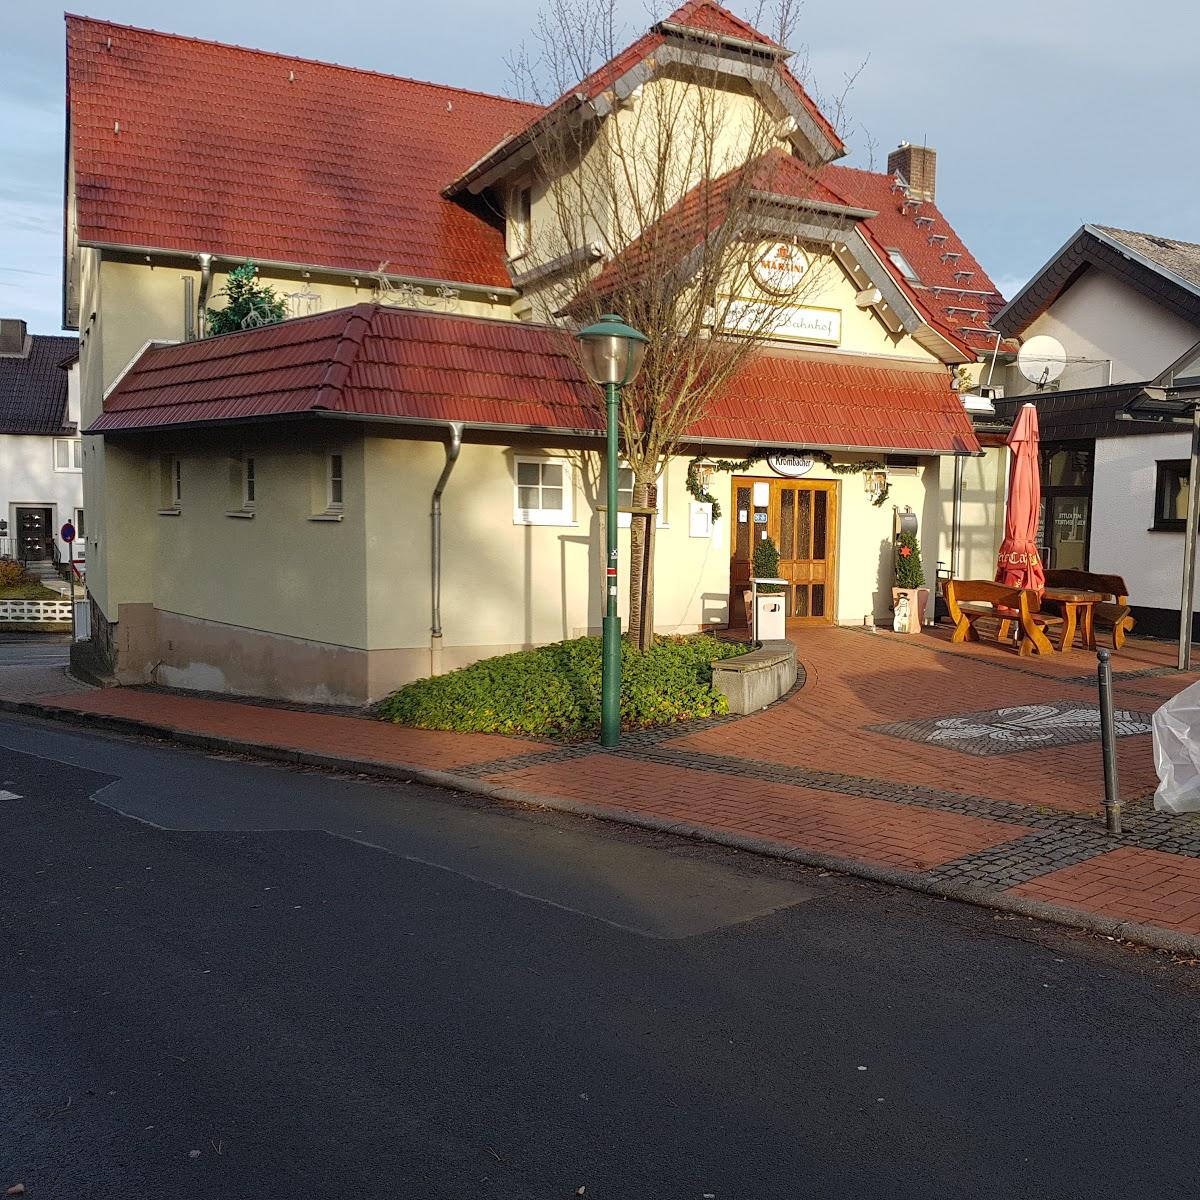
(555, 689)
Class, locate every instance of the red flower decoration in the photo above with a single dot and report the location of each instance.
(905, 551)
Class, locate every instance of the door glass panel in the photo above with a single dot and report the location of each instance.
(787, 523)
(742, 543)
(1068, 534)
(801, 609)
(818, 599)
(803, 524)
(820, 510)
(1066, 466)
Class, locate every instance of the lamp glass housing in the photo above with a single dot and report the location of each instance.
(612, 351)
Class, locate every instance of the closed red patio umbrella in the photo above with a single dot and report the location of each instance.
(1020, 563)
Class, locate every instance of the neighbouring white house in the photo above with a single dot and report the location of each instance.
(1117, 314)
(41, 462)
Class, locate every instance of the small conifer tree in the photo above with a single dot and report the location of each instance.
(909, 572)
(248, 303)
(766, 565)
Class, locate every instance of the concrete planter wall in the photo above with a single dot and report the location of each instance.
(752, 681)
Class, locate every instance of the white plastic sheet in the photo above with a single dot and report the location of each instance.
(1177, 752)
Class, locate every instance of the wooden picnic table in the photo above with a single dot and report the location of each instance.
(1079, 610)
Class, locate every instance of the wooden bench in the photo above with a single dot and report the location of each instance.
(1112, 614)
(970, 600)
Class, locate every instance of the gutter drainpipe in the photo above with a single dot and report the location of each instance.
(205, 284)
(956, 522)
(435, 519)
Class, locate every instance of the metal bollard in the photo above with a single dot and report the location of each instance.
(1108, 739)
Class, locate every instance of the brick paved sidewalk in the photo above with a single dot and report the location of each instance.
(963, 771)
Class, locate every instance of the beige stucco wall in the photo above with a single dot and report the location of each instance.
(125, 304)
(279, 570)
(508, 584)
(288, 597)
(984, 487)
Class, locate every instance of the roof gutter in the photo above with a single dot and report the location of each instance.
(692, 33)
(312, 268)
(499, 427)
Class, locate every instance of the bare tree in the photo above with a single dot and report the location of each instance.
(656, 204)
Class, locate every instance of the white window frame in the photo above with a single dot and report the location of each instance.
(900, 261)
(520, 224)
(170, 486)
(337, 476)
(249, 482)
(78, 520)
(74, 454)
(565, 515)
(624, 519)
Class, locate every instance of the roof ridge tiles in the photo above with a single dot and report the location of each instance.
(354, 331)
(295, 58)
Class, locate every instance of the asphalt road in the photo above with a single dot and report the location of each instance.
(230, 979)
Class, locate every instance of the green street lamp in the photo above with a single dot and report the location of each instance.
(612, 356)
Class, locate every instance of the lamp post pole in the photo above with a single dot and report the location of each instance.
(610, 661)
(612, 356)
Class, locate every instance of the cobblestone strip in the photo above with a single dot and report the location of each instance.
(1026, 858)
(850, 785)
(1061, 838)
(535, 758)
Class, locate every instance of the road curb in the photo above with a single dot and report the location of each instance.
(1153, 936)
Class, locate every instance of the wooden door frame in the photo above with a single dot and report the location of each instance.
(831, 487)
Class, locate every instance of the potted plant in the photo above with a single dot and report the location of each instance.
(910, 597)
(771, 610)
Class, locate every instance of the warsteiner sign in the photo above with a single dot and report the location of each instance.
(779, 267)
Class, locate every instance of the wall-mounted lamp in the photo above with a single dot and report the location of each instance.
(874, 484)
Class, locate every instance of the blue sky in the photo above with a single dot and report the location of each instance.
(1044, 114)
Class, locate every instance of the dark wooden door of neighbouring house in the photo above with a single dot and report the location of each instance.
(35, 534)
(801, 518)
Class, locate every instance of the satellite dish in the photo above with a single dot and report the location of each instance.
(1042, 359)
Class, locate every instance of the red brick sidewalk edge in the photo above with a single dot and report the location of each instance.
(1154, 936)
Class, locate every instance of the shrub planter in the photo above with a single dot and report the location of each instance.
(910, 596)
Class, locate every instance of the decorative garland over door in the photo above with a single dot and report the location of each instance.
(736, 466)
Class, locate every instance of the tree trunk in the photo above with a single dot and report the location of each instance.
(641, 567)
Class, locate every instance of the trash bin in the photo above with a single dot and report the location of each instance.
(769, 624)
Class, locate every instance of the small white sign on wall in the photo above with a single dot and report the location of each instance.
(762, 494)
(699, 519)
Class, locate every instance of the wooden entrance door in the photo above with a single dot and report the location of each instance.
(801, 518)
(35, 537)
(803, 522)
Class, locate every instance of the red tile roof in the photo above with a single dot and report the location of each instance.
(711, 17)
(934, 250)
(703, 15)
(951, 306)
(426, 367)
(190, 145)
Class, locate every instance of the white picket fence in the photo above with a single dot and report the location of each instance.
(34, 612)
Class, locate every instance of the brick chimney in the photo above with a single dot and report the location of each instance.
(918, 165)
(12, 336)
